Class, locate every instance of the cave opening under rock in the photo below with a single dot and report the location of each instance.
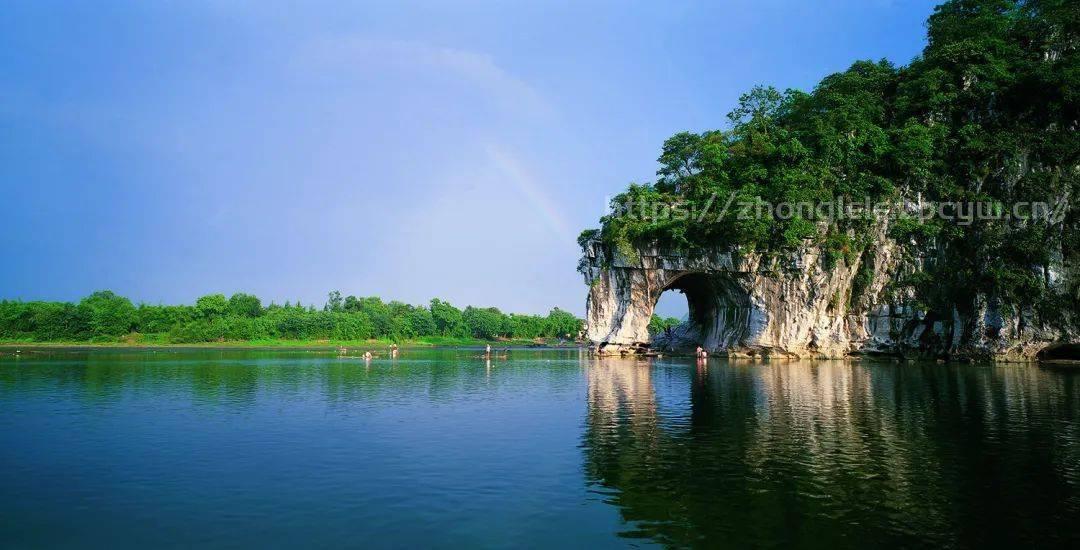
(717, 313)
(1061, 352)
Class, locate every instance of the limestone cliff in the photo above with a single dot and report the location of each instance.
(957, 149)
(746, 305)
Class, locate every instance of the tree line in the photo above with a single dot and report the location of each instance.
(106, 316)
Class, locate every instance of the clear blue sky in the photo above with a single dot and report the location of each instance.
(167, 150)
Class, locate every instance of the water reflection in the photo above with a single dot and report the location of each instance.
(241, 378)
(835, 454)
(438, 448)
(443, 447)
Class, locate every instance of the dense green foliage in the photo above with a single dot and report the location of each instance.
(988, 113)
(104, 316)
(659, 325)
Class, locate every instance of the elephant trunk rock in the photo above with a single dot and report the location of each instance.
(744, 304)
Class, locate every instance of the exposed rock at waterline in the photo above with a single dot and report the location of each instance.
(747, 305)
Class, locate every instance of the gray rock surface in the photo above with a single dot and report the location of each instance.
(747, 305)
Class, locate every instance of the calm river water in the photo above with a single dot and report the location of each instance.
(542, 448)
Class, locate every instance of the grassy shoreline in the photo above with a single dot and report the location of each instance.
(159, 341)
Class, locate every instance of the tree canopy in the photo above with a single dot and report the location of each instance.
(988, 113)
(105, 316)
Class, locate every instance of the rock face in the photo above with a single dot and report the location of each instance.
(745, 305)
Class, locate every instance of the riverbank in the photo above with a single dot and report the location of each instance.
(156, 341)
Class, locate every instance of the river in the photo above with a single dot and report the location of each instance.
(442, 448)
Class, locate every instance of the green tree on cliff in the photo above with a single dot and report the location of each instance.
(987, 113)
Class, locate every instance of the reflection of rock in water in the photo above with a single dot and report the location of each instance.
(622, 420)
(836, 454)
(620, 387)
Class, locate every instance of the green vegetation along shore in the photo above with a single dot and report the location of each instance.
(105, 318)
(159, 341)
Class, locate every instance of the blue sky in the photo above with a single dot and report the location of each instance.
(410, 150)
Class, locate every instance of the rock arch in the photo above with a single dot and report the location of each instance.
(719, 311)
(743, 304)
(723, 312)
